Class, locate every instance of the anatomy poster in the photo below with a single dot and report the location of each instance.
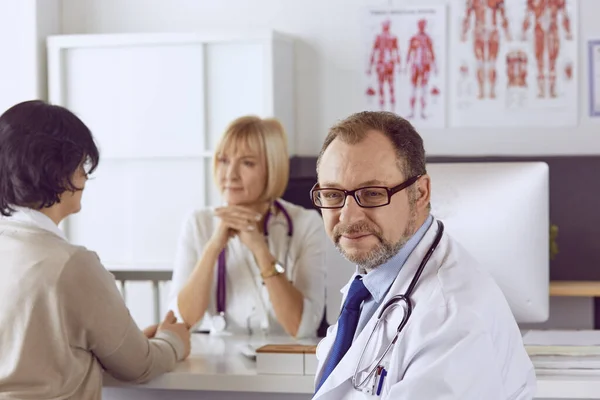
(513, 63)
(405, 63)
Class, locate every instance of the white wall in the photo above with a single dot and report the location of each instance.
(329, 63)
(24, 25)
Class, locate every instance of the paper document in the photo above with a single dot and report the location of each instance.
(579, 373)
(576, 343)
(561, 362)
(573, 351)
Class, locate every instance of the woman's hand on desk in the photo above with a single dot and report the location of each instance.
(180, 329)
(150, 331)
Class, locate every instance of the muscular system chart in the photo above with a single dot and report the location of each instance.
(513, 63)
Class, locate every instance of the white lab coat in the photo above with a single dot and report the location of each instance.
(247, 304)
(460, 343)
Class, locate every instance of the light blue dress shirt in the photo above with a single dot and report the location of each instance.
(379, 281)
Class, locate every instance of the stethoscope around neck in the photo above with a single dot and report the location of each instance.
(394, 302)
(219, 322)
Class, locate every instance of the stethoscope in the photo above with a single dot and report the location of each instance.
(392, 303)
(219, 322)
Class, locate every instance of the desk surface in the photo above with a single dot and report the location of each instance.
(216, 364)
(567, 385)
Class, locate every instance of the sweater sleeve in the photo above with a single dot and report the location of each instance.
(101, 323)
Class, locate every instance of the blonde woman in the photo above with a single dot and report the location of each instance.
(256, 264)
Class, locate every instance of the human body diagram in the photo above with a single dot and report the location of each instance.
(545, 16)
(488, 16)
(385, 57)
(404, 85)
(405, 62)
(514, 63)
(516, 78)
(421, 62)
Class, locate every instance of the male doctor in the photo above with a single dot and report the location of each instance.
(461, 341)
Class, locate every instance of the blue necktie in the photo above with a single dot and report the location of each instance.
(347, 323)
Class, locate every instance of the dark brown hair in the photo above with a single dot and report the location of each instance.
(407, 143)
(41, 148)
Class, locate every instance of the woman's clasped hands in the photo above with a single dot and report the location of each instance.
(242, 222)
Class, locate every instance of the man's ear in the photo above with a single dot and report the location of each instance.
(423, 191)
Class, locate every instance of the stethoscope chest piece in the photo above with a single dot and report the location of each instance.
(219, 323)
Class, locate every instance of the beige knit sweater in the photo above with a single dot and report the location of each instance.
(62, 319)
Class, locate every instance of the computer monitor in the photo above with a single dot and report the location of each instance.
(500, 213)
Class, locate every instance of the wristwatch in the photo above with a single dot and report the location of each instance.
(276, 270)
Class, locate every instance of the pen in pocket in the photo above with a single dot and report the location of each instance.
(380, 386)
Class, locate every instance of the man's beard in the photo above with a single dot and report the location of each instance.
(383, 251)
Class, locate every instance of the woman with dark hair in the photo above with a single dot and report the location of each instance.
(62, 319)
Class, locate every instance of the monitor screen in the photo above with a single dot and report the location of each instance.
(500, 213)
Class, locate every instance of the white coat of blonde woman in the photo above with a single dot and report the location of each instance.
(272, 252)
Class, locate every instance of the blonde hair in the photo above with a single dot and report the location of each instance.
(265, 136)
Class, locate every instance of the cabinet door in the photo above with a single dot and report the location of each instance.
(133, 210)
(237, 83)
(139, 100)
(145, 104)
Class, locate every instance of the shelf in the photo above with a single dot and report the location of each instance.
(575, 288)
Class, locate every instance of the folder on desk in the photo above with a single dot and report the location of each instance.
(562, 342)
(286, 359)
(562, 362)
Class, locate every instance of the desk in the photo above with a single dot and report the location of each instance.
(216, 370)
(567, 386)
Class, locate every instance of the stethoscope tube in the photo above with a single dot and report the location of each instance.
(393, 303)
(221, 263)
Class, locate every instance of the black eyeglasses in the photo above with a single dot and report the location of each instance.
(366, 197)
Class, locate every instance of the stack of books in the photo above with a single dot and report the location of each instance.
(564, 351)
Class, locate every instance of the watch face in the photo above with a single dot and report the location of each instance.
(279, 268)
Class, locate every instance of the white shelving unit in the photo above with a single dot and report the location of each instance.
(157, 104)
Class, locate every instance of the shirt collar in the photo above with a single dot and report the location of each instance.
(36, 218)
(379, 281)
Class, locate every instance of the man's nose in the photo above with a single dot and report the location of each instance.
(351, 212)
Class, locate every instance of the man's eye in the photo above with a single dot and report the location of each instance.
(331, 195)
